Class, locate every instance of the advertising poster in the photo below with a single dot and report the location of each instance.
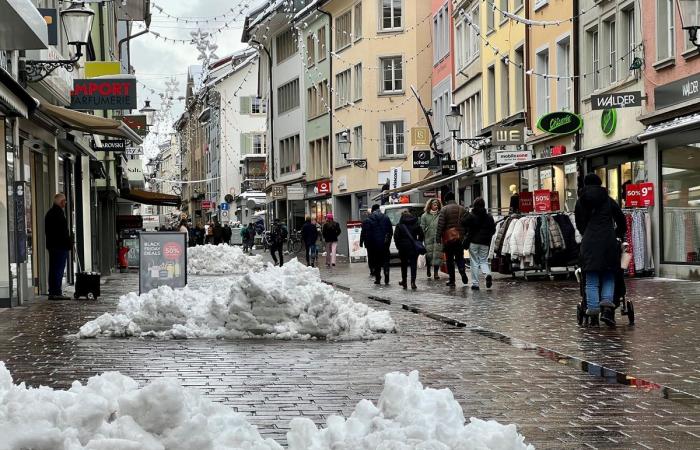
(543, 201)
(646, 191)
(162, 260)
(633, 196)
(554, 201)
(526, 202)
(357, 253)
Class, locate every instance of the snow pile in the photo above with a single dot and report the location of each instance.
(289, 302)
(111, 412)
(221, 259)
(407, 417)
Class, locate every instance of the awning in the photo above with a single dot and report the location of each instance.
(90, 124)
(22, 27)
(679, 124)
(14, 99)
(150, 198)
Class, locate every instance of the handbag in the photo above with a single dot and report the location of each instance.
(422, 262)
(419, 246)
(453, 235)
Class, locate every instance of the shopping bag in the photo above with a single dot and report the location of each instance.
(443, 265)
(421, 262)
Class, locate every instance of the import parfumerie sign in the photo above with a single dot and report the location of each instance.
(103, 94)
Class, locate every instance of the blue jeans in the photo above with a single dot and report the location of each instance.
(600, 289)
(479, 259)
(57, 265)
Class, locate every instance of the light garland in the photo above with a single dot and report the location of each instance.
(197, 20)
(536, 23)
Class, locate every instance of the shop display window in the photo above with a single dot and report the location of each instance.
(680, 192)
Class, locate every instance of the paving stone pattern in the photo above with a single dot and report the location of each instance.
(554, 405)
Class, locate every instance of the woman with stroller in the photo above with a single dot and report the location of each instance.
(601, 222)
(408, 238)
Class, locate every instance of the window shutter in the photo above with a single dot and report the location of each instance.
(245, 105)
(245, 144)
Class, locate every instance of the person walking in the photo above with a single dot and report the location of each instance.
(245, 236)
(450, 232)
(217, 233)
(309, 234)
(408, 238)
(601, 222)
(330, 231)
(58, 244)
(278, 236)
(480, 228)
(376, 235)
(429, 222)
(227, 234)
(183, 227)
(200, 234)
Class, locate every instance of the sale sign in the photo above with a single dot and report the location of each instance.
(526, 202)
(543, 200)
(646, 191)
(633, 196)
(554, 201)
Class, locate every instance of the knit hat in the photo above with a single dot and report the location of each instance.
(592, 180)
(329, 216)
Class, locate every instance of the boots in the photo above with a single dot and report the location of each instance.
(429, 274)
(607, 315)
(386, 278)
(413, 285)
(403, 284)
(436, 269)
(465, 280)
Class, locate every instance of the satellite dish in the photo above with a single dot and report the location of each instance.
(228, 198)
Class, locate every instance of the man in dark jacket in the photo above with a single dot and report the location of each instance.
(601, 222)
(480, 228)
(376, 235)
(450, 232)
(309, 234)
(58, 243)
(218, 233)
(278, 236)
(227, 234)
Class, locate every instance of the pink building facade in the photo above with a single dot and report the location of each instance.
(443, 69)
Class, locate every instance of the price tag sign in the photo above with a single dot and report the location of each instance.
(646, 191)
(526, 202)
(543, 200)
(633, 196)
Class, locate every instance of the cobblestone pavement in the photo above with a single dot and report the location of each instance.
(554, 405)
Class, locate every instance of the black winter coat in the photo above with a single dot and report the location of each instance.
(309, 234)
(331, 231)
(376, 231)
(403, 241)
(479, 226)
(57, 234)
(601, 221)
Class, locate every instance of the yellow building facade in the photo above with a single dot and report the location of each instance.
(377, 54)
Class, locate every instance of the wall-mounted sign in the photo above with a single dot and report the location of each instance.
(111, 145)
(51, 17)
(103, 94)
(570, 167)
(677, 92)
(608, 121)
(278, 191)
(560, 122)
(94, 69)
(527, 204)
(134, 173)
(420, 137)
(136, 123)
(543, 200)
(295, 193)
(508, 135)
(449, 167)
(616, 100)
(162, 260)
(133, 151)
(421, 159)
(513, 156)
(323, 187)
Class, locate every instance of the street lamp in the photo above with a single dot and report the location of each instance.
(454, 122)
(690, 19)
(149, 112)
(76, 21)
(344, 149)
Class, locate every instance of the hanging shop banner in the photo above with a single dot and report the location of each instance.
(421, 159)
(162, 260)
(543, 200)
(646, 191)
(616, 100)
(633, 196)
(526, 202)
(111, 145)
(395, 177)
(608, 121)
(357, 253)
(554, 201)
(136, 123)
(508, 135)
(513, 156)
(94, 69)
(560, 122)
(323, 187)
(133, 151)
(420, 136)
(449, 167)
(103, 94)
(50, 15)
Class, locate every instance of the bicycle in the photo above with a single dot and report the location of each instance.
(294, 242)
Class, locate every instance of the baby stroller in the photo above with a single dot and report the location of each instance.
(627, 307)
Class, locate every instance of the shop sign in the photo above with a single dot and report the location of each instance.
(51, 17)
(420, 137)
(616, 100)
(134, 173)
(94, 69)
(526, 202)
(133, 151)
(429, 194)
(435, 163)
(323, 187)
(103, 94)
(545, 174)
(395, 178)
(570, 167)
(136, 123)
(677, 92)
(646, 194)
(543, 200)
(207, 205)
(554, 201)
(560, 122)
(357, 252)
(111, 145)
(277, 191)
(162, 260)
(295, 193)
(633, 196)
(513, 156)
(608, 121)
(421, 159)
(508, 135)
(449, 167)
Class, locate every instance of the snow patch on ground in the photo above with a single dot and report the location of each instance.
(289, 302)
(221, 260)
(111, 412)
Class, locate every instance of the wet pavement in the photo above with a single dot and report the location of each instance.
(497, 362)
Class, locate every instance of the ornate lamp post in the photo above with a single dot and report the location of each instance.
(344, 148)
(690, 19)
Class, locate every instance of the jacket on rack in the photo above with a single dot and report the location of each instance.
(501, 235)
(596, 213)
(556, 238)
(479, 226)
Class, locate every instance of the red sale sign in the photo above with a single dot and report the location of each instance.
(554, 201)
(172, 251)
(543, 200)
(646, 191)
(633, 196)
(526, 202)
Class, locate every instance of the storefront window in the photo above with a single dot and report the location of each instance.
(509, 187)
(680, 180)
(319, 208)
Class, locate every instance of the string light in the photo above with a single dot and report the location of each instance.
(537, 23)
(243, 8)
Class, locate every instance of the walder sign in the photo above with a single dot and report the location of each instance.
(103, 94)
